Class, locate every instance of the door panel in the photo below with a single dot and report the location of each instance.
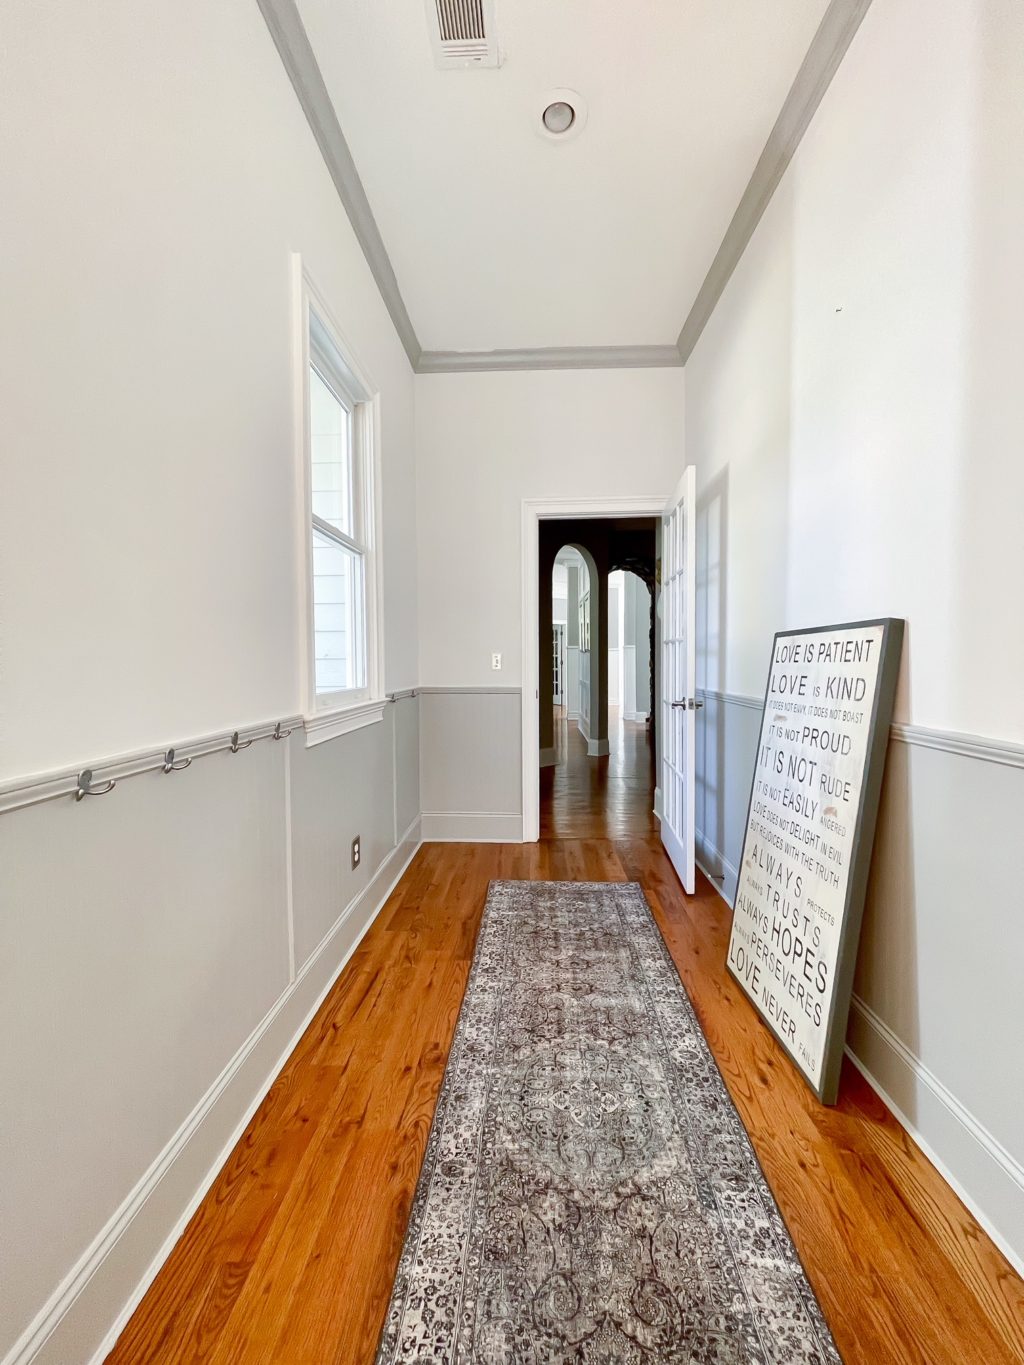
(679, 679)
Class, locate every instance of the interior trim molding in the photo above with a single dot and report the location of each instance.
(56, 1333)
(327, 725)
(1004, 751)
(34, 789)
(730, 698)
(828, 47)
(708, 856)
(1008, 752)
(292, 42)
(551, 358)
(472, 827)
(999, 1174)
(912, 1076)
(468, 691)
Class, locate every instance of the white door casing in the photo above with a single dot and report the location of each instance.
(535, 510)
(679, 678)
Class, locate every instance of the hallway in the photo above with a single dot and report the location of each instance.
(291, 1255)
(599, 798)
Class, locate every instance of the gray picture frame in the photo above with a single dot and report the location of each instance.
(862, 844)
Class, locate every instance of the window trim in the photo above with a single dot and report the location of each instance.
(320, 342)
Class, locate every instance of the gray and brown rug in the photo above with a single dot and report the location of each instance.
(589, 1193)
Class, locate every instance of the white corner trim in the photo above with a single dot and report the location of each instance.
(56, 1322)
(994, 1166)
(598, 748)
(327, 725)
(548, 757)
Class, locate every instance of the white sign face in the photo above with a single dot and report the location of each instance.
(798, 853)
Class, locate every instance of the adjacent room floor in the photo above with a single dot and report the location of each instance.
(291, 1255)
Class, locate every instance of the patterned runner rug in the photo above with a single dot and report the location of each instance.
(589, 1193)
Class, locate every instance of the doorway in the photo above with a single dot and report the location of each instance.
(590, 721)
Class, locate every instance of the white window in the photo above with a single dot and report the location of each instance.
(343, 666)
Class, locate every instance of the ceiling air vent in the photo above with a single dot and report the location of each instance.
(462, 32)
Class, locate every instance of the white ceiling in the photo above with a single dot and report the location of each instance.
(501, 238)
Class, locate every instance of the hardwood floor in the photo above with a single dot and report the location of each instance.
(291, 1255)
(599, 798)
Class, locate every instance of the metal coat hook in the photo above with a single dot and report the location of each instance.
(85, 787)
(235, 746)
(278, 732)
(171, 767)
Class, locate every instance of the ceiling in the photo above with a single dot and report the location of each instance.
(501, 238)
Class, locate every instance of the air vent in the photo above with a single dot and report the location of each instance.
(462, 33)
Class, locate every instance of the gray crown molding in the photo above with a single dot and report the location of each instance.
(290, 38)
(833, 37)
(550, 358)
(828, 47)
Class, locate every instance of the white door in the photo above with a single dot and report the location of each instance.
(679, 678)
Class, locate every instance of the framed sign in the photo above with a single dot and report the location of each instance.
(810, 828)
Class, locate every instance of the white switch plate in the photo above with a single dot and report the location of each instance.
(495, 660)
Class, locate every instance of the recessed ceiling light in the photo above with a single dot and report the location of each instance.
(559, 117)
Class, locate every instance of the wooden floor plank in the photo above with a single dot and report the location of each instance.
(291, 1255)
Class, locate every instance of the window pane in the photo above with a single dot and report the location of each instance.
(331, 455)
(338, 595)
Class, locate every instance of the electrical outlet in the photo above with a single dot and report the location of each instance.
(356, 855)
(495, 660)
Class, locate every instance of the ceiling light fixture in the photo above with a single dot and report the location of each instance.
(561, 115)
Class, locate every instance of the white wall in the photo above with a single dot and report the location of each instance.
(485, 442)
(856, 415)
(157, 172)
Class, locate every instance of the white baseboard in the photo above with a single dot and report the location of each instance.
(716, 867)
(639, 717)
(597, 748)
(103, 1289)
(572, 715)
(975, 1165)
(472, 827)
(972, 1162)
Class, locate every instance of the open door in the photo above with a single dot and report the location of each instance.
(679, 678)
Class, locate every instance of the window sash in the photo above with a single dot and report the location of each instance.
(326, 360)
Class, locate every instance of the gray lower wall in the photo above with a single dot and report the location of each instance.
(471, 785)
(938, 1013)
(148, 996)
